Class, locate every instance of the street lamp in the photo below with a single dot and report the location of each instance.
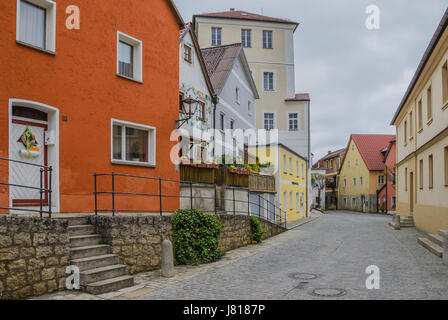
(188, 106)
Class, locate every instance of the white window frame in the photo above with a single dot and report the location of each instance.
(218, 43)
(237, 94)
(298, 120)
(137, 56)
(297, 168)
(246, 40)
(361, 181)
(152, 148)
(290, 201)
(285, 200)
(275, 118)
(285, 164)
(298, 202)
(274, 80)
(263, 38)
(381, 177)
(354, 182)
(222, 125)
(303, 170)
(50, 24)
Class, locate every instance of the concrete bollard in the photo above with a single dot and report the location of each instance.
(167, 259)
(396, 222)
(444, 234)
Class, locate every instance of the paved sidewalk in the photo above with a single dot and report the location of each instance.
(332, 252)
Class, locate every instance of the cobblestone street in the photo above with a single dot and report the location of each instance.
(337, 248)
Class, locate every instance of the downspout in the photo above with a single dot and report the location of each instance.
(309, 157)
(215, 101)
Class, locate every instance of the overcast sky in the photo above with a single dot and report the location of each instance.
(356, 77)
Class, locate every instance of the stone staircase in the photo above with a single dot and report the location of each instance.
(434, 243)
(100, 271)
(407, 222)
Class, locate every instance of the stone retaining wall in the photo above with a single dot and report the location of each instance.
(34, 254)
(138, 240)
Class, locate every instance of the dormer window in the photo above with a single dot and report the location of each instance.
(187, 54)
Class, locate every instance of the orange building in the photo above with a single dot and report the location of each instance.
(99, 99)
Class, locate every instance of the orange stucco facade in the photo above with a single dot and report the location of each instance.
(81, 81)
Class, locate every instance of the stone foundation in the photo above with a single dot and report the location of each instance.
(34, 254)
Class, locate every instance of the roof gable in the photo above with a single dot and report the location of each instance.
(370, 147)
(243, 15)
(219, 62)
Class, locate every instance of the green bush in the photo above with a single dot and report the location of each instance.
(196, 237)
(257, 231)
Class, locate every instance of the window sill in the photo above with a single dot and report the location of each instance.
(445, 105)
(429, 122)
(128, 78)
(133, 163)
(53, 53)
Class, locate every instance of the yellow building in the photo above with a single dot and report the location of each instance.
(362, 172)
(289, 169)
(421, 122)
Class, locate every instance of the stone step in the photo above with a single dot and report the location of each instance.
(77, 221)
(431, 246)
(103, 273)
(96, 261)
(109, 285)
(89, 251)
(85, 240)
(437, 239)
(81, 230)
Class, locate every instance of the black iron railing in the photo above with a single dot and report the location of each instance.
(262, 208)
(45, 191)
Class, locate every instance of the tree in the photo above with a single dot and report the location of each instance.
(319, 180)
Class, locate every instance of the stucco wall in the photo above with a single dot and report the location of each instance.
(81, 81)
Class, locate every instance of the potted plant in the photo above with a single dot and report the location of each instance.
(135, 152)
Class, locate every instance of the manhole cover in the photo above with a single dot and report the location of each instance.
(303, 276)
(328, 292)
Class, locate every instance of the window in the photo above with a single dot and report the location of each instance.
(394, 178)
(201, 107)
(290, 165)
(431, 171)
(290, 201)
(297, 202)
(348, 163)
(268, 81)
(249, 108)
(237, 95)
(216, 36)
(445, 82)
(36, 24)
(381, 180)
(406, 179)
(133, 143)
(405, 133)
(420, 115)
(285, 201)
(268, 121)
(222, 122)
(181, 98)
(285, 169)
(246, 36)
(297, 168)
(267, 39)
(360, 181)
(129, 62)
(353, 147)
(293, 119)
(354, 182)
(429, 103)
(187, 53)
(411, 127)
(303, 171)
(232, 124)
(446, 166)
(345, 183)
(394, 201)
(421, 174)
(356, 161)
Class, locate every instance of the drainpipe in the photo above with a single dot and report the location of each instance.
(215, 101)
(309, 159)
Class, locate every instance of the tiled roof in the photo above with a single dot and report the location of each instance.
(236, 14)
(219, 62)
(370, 146)
(300, 97)
(333, 154)
(429, 50)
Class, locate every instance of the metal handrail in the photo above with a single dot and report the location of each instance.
(269, 208)
(42, 190)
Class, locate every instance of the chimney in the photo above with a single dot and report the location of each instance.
(232, 9)
(329, 152)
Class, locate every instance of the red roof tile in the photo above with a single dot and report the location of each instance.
(235, 14)
(370, 146)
